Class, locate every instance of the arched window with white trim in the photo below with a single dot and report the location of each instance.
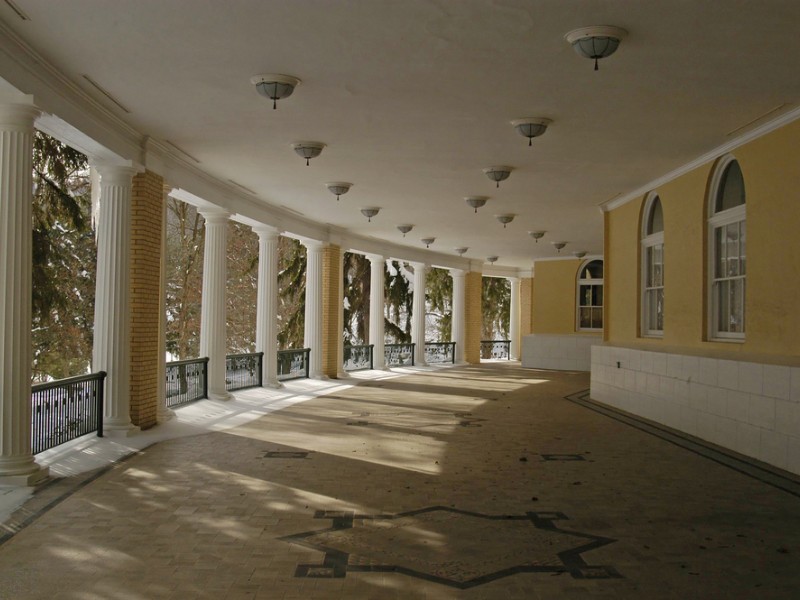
(727, 237)
(590, 296)
(652, 261)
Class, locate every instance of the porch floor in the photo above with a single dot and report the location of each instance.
(487, 481)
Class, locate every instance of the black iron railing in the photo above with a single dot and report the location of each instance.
(293, 364)
(358, 358)
(66, 409)
(187, 381)
(243, 370)
(399, 355)
(496, 349)
(440, 352)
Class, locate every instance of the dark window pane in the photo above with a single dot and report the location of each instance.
(655, 221)
(731, 188)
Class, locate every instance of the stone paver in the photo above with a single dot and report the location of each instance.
(471, 482)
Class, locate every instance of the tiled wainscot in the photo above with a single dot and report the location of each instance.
(560, 352)
(748, 407)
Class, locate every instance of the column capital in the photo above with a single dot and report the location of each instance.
(375, 257)
(457, 272)
(111, 173)
(316, 245)
(266, 232)
(215, 216)
(17, 112)
(513, 279)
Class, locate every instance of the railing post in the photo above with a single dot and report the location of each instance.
(205, 377)
(453, 352)
(100, 400)
(413, 352)
(307, 353)
(371, 357)
(260, 363)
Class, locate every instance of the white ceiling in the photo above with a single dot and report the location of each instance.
(413, 98)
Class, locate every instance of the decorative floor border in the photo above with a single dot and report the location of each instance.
(782, 480)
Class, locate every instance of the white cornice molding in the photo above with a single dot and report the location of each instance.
(30, 72)
(567, 257)
(708, 157)
(498, 271)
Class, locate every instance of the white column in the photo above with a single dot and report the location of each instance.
(17, 465)
(418, 313)
(111, 352)
(213, 334)
(267, 303)
(514, 320)
(376, 309)
(313, 321)
(340, 333)
(162, 412)
(458, 319)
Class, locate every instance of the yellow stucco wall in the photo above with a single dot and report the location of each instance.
(554, 297)
(772, 184)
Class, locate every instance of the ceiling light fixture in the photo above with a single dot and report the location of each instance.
(596, 42)
(476, 201)
(559, 245)
(404, 229)
(498, 173)
(275, 87)
(461, 251)
(531, 128)
(579, 254)
(370, 212)
(536, 235)
(505, 219)
(428, 241)
(338, 188)
(491, 259)
(308, 150)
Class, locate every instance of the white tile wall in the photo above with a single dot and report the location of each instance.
(559, 352)
(749, 407)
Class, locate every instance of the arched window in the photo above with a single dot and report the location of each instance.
(727, 236)
(590, 296)
(652, 267)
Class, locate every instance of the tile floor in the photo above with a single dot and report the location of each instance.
(467, 482)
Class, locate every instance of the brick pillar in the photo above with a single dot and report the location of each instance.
(331, 311)
(474, 317)
(147, 210)
(526, 306)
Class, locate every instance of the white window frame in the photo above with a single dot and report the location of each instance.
(649, 242)
(717, 220)
(578, 284)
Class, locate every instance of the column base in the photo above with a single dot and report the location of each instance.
(223, 396)
(275, 385)
(27, 480)
(319, 377)
(164, 414)
(120, 431)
